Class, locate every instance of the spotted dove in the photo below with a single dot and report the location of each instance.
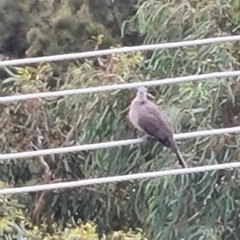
(147, 117)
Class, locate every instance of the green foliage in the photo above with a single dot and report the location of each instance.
(199, 206)
(45, 27)
(214, 103)
(14, 224)
(12, 41)
(70, 121)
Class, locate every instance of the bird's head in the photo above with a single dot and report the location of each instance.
(142, 92)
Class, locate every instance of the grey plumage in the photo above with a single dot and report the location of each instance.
(147, 117)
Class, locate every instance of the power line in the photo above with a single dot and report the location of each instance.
(94, 146)
(129, 177)
(115, 87)
(69, 56)
(119, 86)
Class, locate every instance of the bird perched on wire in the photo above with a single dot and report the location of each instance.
(147, 117)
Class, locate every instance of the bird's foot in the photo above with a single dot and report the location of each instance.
(144, 138)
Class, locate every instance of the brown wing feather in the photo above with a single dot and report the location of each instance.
(156, 124)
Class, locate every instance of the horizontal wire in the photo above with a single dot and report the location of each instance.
(93, 146)
(69, 56)
(119, 86)
(123, 142)
(120, 178)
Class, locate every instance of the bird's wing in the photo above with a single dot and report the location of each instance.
(156, 124)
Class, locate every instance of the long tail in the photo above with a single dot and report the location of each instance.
(180, 157)
(172, 144)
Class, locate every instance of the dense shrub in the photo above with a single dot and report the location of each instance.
(203, 205)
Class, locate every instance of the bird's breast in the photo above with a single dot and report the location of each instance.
(133, 114)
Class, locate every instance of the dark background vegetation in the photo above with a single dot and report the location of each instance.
(199, 206)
